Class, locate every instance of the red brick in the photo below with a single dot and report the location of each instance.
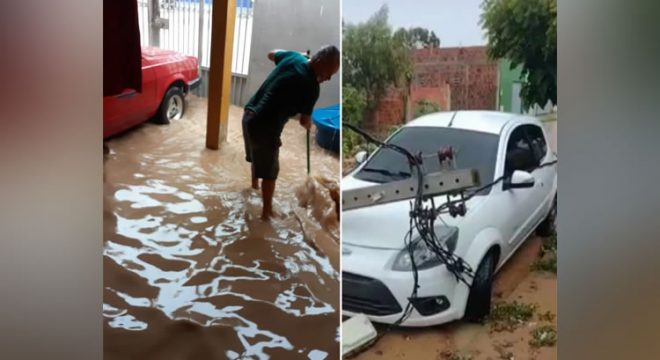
(463, 76)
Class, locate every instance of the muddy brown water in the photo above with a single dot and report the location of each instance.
(191, 272)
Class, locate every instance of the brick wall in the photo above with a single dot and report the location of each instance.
(459, 78)
(389, 111)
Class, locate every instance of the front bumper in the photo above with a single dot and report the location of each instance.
(369, 286)
(192, 85)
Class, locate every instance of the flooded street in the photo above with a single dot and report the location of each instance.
(191, 272)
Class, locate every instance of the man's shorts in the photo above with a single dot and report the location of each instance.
(264, 155)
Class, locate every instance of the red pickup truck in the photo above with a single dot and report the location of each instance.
(167, 76)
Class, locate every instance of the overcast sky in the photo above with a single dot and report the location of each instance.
(455, 22)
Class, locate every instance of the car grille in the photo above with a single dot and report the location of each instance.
(368, 296)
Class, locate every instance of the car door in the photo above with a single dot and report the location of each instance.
(517, 205)
(129, 108)
(545, 176)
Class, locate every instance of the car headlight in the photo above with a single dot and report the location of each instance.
(424, 257)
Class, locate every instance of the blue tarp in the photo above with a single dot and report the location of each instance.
(327, 117)
(327, 123)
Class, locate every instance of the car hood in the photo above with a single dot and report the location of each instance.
(153, 52)
(384, 226)
(156, 56)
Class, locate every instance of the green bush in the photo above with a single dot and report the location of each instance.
(425, 106)
(354, 104)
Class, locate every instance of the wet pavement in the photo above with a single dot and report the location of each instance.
(191, 272)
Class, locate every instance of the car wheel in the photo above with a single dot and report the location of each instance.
(172, 106)
(478, 304)
(548, 226)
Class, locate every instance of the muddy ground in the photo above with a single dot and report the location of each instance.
(190, 270)
(462, 341)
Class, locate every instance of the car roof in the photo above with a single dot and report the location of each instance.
(476, 120)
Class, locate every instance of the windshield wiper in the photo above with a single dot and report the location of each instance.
(386, 172)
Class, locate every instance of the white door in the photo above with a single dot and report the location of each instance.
(518, 205)
(545, 176)
(516, 103)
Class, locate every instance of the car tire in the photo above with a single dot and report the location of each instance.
(478, 304)
(172, 106)
(548, 226)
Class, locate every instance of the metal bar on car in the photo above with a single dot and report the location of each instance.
(437, 183)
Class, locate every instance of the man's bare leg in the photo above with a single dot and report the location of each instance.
(255, 180)
(267, 190)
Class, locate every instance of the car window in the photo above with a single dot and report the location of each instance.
(519, 153)
(475, 150)
(539, 146)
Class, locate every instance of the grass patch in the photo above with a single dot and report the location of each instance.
(508, 316)
(548, 253)
(549, 245)
(454, 355)
(546, 316)
(545, 335)
(548, 264)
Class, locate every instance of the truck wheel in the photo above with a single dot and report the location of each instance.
(478, 304)
(548, 226)
(172, 106)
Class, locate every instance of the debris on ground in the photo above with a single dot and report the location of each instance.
(545, 335)
(454, 355)
(503, 353)
(548, 254)
(547, 316)
(508, 316)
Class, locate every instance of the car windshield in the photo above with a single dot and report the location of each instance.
(475, 150)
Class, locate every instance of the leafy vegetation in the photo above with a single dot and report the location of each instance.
(454, 355)
(548, 252)
(425, 106)
(545, 335)
(525, 32)
(373, 59)
(354, 104)
(508, 316)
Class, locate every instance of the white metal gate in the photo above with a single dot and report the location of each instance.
(516, 103)
(185, 26)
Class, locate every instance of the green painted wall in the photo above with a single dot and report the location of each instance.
(506, 79)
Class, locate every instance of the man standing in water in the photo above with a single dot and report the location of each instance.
(291, 88)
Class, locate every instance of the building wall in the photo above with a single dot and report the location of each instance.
(458, 78)
(391, 109)
(293, 25)
(507, 77)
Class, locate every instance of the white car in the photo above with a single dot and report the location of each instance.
(376, 276)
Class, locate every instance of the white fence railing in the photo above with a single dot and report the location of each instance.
(185, 26)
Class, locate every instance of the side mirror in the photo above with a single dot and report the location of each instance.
(519, 180)
(361, 157)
